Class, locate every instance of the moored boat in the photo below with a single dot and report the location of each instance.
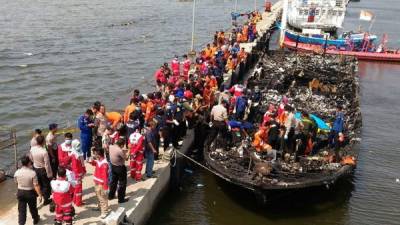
(320, 39)
(385, 56)
(290, 75)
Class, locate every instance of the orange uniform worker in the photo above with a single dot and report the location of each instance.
(242, 55)
(129, 109)
(261, 145)
(208, 52)
(114, 118)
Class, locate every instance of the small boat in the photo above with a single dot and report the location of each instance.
(321, 39)
(386, 56)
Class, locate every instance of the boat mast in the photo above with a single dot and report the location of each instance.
(193, 27)
(236, 2)
(283, 22)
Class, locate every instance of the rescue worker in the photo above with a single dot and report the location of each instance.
(51, 146)
(309, 128)
(186, 67)
(118, 170)
(237, 90)
(42, 167)
(100, 177)
(136, 146)
(261, 145)
(114, 118)
(62, 197)
(175, 66)
(28, 189)
(129, 109)
(78, 169)
(64, 150)
(85, 125)
(337, 132)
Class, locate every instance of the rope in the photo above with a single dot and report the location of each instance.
(197, 163)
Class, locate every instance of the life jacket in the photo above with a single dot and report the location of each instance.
(175, 67)
(136, 141)
(100, 175)
(62, 192)
(63, 155)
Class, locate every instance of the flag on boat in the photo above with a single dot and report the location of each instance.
(366, 15)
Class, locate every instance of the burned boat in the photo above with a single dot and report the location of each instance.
(315, 84)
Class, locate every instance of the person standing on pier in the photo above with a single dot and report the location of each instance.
(64, 151)
(118, 169)
(52, 147)
(86, 125)
(42, 167)
(62, 197)
(136, 146)
(36, 133)
(150, 148)
(175, 64)
(100, 177)
(78, 169)
(28, 189)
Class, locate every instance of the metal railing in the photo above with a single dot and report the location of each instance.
(8, 141)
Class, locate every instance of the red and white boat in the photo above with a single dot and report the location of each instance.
(383, 55)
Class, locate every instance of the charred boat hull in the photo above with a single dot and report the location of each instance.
(291, 74)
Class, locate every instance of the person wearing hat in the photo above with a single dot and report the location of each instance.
(52, 147)
(28, 190)
(78, 169)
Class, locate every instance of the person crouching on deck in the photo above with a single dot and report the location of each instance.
(100, 177)
(78, 169)
(260, 143)
(62, 197)
(136, 146)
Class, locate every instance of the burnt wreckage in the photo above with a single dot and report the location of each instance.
(314, 84)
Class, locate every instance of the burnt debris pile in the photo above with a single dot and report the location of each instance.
(312, 84)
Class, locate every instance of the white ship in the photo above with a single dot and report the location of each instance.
(321, 15)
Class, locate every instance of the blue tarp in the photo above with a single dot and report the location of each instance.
(321, 124)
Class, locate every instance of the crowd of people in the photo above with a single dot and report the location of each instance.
(188, 93)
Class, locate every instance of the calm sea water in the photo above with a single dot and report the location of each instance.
(57, 57)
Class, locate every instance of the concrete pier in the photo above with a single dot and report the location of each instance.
(143, 196)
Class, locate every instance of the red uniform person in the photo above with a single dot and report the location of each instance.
(78, 169)
(62, 197)
(237, 90)
(100, 177)
(186, 67)
(64, 150)
(175, 66)
(136, 144)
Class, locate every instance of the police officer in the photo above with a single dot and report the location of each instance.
(42, 167)
(28, 190)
